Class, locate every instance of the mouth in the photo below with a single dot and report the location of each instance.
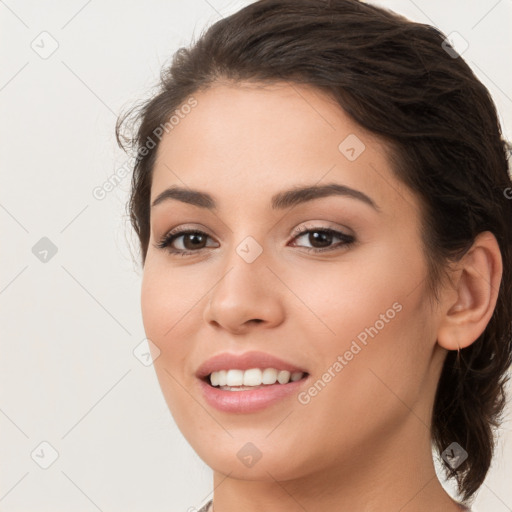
(248, 382)
(234, 396)
(237, 391)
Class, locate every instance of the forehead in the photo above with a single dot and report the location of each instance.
(256, 140)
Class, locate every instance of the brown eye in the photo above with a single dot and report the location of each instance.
(321, 239)
(192, 241)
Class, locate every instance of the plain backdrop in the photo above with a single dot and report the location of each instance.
(83, 424)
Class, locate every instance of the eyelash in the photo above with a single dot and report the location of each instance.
(166, 241)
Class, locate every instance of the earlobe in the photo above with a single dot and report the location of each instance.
(476, 292)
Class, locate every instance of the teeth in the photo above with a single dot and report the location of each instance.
(269, 376)
(296, 376)
(234, 378)
(241, 379)
(252, 377)
(222, 377)
(283, 377)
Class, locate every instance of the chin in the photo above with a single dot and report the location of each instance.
(242, 461)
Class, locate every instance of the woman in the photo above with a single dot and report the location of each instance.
(320, 192)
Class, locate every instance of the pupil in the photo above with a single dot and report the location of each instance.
(192, 236)
(322, 236)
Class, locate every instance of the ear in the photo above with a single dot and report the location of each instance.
(469, 306)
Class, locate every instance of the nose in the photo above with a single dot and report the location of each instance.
(246, 295)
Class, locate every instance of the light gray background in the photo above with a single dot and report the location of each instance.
(70, 324)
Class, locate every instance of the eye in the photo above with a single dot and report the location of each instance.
(322, 238)
(193, 241)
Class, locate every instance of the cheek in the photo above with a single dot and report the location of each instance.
(172, 304)
(339, 301)
(164, 308)
(166, 305)
(167, 296)
(371, 310)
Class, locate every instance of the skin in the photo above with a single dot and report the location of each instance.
(363, 442)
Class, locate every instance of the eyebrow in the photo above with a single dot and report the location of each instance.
(281, 200)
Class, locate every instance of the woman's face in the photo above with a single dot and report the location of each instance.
(354, 315)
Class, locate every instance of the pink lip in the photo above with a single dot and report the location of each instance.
(251, 400)
(245, 361)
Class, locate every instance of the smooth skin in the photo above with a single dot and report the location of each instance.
(363, 442)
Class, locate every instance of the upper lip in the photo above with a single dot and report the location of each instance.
(244, 361)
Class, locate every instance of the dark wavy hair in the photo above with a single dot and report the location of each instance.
(401, 81)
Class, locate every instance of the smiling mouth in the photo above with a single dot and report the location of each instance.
(254, 378)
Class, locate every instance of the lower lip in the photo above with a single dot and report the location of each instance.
(251, 400)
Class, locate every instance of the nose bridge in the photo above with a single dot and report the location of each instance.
(244, 291)
(245, 269)
(246, 241)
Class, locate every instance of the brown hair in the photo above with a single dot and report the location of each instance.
(401, 81)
